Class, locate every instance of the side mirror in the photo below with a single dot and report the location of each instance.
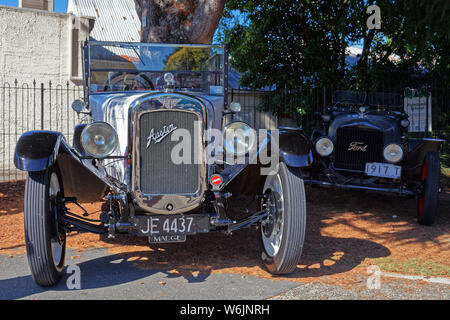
(79, 106)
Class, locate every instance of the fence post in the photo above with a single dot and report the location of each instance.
(42, 106)
(427, 134)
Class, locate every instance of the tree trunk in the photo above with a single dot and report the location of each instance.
(179, 21)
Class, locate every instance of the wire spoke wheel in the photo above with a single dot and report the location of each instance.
(272, 227)
(283, 231)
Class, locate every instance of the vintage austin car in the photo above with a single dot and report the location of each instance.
(364, 145)
(144, 101)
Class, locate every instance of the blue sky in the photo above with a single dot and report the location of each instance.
(60, 5)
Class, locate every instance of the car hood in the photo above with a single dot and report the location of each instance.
(113, 109)
(388, 124)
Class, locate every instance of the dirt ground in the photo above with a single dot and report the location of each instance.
(346, 232)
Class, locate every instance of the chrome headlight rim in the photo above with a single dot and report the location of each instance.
(235, 106)
(405, 123)
(112, 131)
(235, 152)
(319, 151)
(399, 148)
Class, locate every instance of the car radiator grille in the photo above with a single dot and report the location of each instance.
(158, 173)
(356, 160)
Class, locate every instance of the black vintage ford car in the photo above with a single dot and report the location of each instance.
(362, 144)
(156, 150)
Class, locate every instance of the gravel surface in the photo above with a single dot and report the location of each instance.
(394, 290)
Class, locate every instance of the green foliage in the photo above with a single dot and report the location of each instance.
(288, 43)
(291, 42)
(295, 43)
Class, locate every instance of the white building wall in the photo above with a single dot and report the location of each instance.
(36, 46)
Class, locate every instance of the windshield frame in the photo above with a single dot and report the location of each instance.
(87, 63)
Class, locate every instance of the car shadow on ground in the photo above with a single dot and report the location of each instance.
(360, 211)
(240, 252)
(103, 272)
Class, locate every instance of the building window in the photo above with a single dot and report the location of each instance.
(75, 47)
(47, 5)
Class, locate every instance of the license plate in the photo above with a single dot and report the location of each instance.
(164, 229)
(384, 170)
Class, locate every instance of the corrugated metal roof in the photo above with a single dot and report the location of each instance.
(115, 20)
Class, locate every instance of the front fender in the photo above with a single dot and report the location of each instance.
(295, 149)
(38, 150)
(418, 148)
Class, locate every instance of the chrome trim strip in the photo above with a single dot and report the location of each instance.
(435, 140)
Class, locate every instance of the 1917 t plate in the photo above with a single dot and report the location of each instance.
(384, 170)
(171, 228)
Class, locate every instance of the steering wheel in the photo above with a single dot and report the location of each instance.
(140, 81)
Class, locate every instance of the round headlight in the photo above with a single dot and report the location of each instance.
(239, 138)
(393, 153)
(99, 140)
(324, 147)
(405, 123)
(235, 107)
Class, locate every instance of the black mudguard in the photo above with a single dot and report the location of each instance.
(414, 159)
(295, 149)
(39, 150)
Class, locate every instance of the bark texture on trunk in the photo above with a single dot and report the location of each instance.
(179, 21)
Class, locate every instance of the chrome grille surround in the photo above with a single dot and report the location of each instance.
(157, 203)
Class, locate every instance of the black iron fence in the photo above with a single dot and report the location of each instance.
(46, 106)
(36, 106)
(296, 107)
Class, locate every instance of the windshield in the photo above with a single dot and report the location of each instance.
(142, 66)
(348, 97)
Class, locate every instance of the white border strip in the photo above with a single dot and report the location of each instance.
(427, 279)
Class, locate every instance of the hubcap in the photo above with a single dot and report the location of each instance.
(272, 226)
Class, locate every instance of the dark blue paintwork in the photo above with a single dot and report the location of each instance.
(388, 123)
(38, 150)
(295, 148)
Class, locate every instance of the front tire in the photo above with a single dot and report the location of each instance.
(45, 241)
(427, 202)
(283, 232)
